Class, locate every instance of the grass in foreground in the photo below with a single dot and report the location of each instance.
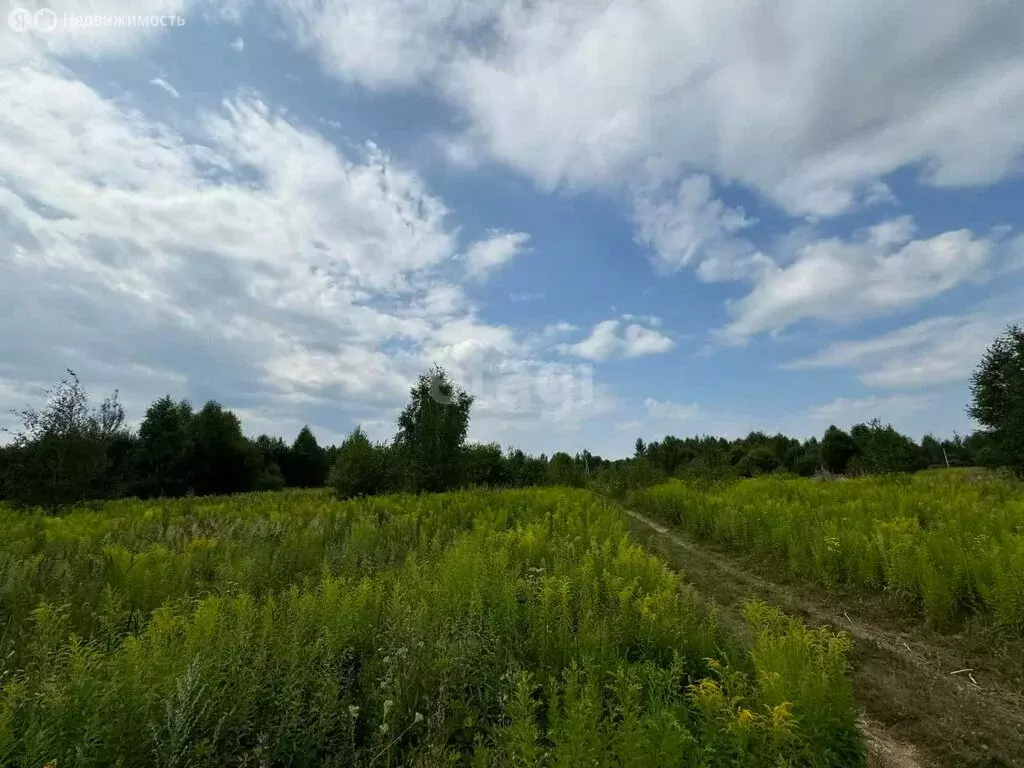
(501, 628)
(946, 545)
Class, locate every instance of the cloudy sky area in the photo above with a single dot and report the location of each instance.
(608, 218)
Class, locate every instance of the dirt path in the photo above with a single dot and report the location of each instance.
(921, 704)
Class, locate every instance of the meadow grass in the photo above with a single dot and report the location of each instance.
(946, 545)
(475, 628)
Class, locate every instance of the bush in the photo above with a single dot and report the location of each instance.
(621, 478)
(65, 452)
(484, 466)
(837, 448)
(882, 450)
(360, 469)
(758, 461)
(564, 470)
(805, 465)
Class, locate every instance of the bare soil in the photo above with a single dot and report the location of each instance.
(926, 699)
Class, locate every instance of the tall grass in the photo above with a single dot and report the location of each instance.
(942, 544)
(486, 628)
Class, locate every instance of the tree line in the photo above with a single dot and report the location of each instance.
(69, 451)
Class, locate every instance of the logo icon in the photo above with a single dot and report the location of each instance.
(20, 19)
(46, 20)
(441, 391)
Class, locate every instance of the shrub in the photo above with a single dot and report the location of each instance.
(360, 469)
(837, 448)
(758, 461)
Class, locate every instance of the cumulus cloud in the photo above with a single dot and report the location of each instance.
(782, 101)
(498, 249)
(692, 226)
(656, 99)
(608, 339)
(254, 262)
(836, 279)
(384, 43)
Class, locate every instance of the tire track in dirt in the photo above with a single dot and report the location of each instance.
(913, 711)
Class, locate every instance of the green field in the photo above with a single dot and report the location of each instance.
(476, 628)
(947, 545)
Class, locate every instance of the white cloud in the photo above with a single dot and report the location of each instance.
(652, 320)
(606, 341)
(654, 99)
(238, 44)
(894, 232)
(640, 341)
(499, 248)
(315, 281)
(159, 82)
(383, 43)
(784, 101)
(666, 410)
(95, 40)
(846, 280)
(690, 226)
(602, 343)
(940, 350)
(879, 193)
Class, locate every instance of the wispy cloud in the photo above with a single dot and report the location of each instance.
(499, 248)
(159, 82)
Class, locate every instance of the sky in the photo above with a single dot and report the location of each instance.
(606, 219)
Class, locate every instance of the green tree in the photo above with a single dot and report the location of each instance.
(564, 470)
(432, 432)
(931, 448)
(306, 466)
(161, 461)
(526, 471)
(271, 449)
(997, 399)
(360, 468)
(221, 459)
(639, 449)
(837, 448)
(883, 450)
(63, 454)
(484, 465)
(7, 465)
(804, 464)
(759, 460)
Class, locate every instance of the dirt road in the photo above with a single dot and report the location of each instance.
(923, 700)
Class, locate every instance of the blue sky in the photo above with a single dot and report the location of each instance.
(607, 219)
